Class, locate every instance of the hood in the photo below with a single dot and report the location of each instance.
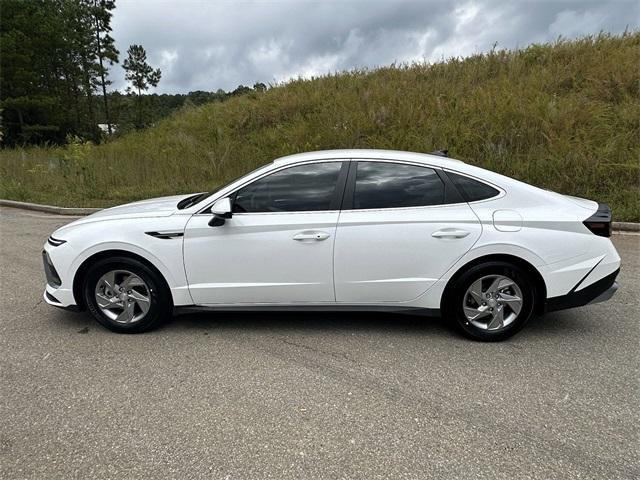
(154, 207)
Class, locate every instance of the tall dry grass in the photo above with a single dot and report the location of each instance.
(564, 116)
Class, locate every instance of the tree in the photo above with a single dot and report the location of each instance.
(81, 60)
(105, 47)
(140, 74)
(241, 90)
(31, 87)
(51, 65)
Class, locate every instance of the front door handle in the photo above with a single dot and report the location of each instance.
(450, 233)
(309, 235)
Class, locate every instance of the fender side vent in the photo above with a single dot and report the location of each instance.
(165, 235)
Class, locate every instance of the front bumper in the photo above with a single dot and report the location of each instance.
(599, 291)
(52, 300)
(58, 291)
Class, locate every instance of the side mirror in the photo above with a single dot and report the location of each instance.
(221, 210)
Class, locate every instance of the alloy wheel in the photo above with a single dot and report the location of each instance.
(122, 296)
(492, 302)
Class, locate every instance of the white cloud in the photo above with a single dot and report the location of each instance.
(206, 45)
(571, 23)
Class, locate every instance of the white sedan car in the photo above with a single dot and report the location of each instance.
(341, 230)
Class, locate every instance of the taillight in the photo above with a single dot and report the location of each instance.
(600, 222)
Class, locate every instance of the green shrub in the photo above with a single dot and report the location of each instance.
(563, 116)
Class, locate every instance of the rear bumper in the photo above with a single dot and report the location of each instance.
(599, 291)
(606, 295)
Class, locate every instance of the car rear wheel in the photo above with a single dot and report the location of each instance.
(491, 301)
(126, 296)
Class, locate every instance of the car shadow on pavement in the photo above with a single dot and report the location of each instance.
(72, 319)
(311, 321)
(557, 324)
(570, 322)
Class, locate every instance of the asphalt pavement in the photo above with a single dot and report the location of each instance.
(311, 395)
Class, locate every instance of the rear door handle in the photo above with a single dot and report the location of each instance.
(311, 235)
(450, 233)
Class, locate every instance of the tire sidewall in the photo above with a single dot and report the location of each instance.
(158, 293)
(453, 301)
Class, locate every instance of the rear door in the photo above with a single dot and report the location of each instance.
(401, 228)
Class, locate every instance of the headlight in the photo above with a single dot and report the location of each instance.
(55, 242)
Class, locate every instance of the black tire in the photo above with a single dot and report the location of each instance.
(452, 304)
(161, 305)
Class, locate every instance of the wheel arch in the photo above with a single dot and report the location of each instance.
(81, 272)
(536, 276)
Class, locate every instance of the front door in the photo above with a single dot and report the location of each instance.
(278, 245)
(398, 233)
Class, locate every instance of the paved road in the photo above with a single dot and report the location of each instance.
(239, 396)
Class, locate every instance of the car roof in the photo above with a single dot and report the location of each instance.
(370, 154)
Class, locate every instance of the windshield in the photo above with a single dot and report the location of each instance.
(198, 197)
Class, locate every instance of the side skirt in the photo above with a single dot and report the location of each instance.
(424, 312)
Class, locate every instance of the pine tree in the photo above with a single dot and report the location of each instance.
(140, 74)
(105, 47)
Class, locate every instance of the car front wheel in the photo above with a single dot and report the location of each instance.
(490, 301)
(126, 296)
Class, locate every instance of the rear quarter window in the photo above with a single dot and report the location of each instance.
(472, 190)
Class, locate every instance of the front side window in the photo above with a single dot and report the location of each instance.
(389, 185)
(296, 189)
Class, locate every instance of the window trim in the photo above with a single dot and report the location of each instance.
(336, 200)
(349, 183)
(450, 190)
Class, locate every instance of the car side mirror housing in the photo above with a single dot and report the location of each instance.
(221, 210)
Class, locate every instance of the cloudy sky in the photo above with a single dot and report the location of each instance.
(211, 44)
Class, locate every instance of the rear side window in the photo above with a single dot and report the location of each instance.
(392, 185)
(297, 189)
(472, 190)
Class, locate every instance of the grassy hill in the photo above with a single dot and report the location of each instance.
(564, 116)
